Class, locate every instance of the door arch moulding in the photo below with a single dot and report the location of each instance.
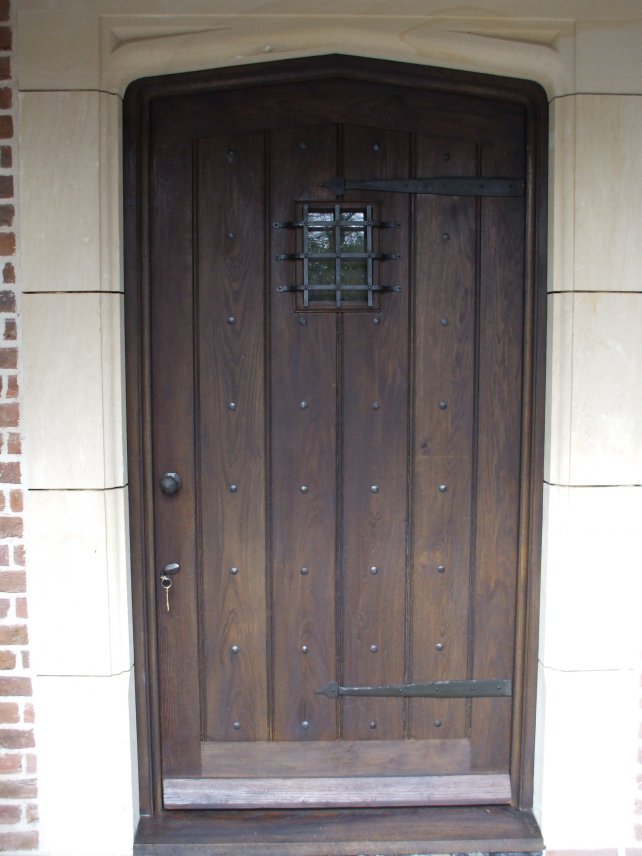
(540, 49)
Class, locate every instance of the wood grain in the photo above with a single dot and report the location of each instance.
(337, 792)
(230, 430)
(335, 758)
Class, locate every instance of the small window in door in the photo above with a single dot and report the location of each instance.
(338, 255)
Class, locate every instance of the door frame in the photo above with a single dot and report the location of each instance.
(506, 828)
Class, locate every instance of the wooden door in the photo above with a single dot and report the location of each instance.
(341, 378)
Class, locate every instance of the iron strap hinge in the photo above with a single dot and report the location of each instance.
(446, 186)
(431, 689)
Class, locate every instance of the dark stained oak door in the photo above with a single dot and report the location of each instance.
(341, 382)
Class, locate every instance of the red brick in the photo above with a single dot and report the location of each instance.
(5, 38)
(10, 763)
(18, 840)
(9, 712)
(6, 157)
(7, 298)
(7, 660)
(14, 738)
(10, 331)
(19, 555)
(3, 501)
(4, 555)
(32, 763)
(32, 814)
(7, 239)
(13, 389)
(7, 212)
(9, 418)
(4, 10)
(5, 68)
(11, 527)
(13, 634)
(13, 582)
(16, 501)
(14, 446)
(26, 659)
(6, 181)
(29, 713)
(9, 472)
(6, 98)
(21, 607)
(15, 686)
(8, 275)
(6, 132)
(10, 813)
(4, 607)
(8, 358)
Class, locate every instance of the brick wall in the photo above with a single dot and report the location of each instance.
(18, 809)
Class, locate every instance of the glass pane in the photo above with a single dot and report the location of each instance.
(320, 217)
(321, 272)
(354, 272)
(350, 296)
(353, 241)
(321, 241)
(355, 217)
(322, 296)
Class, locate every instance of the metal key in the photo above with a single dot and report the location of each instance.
(166, 583)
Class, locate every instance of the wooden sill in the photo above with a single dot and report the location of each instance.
(367, 832)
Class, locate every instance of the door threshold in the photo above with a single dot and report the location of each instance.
(332, 832)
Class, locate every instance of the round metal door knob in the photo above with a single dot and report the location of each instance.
(171, 483)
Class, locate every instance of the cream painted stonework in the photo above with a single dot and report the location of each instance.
(75, 59)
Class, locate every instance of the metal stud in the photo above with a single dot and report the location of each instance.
(376, 147)
(375, 405)
(303, 405)
(374, 488)
(374, 570)
(437, 723)
(445, 236)
(232, 155)
(439, 646)
(442, 405)
(234, 571)
(305, 649)
(441, 569)
(303, 145)
(304, 488)
(372, 724)
(231, 405)
(235, 649)
(302, 321)
(305, 725)
(236, 726)
(231, 320)
(376, 321)
(231, 236)
(444, 322)
(233, 488)
(443, 488)
(374, 649)
(304, 572)
(446, 156)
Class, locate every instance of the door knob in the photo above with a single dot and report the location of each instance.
(171, 483)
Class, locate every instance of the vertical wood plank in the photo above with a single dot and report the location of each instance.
(444, 368)
(173, 451)
(230, 428)
(500, 413)
(303, 457)
(374, 401)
